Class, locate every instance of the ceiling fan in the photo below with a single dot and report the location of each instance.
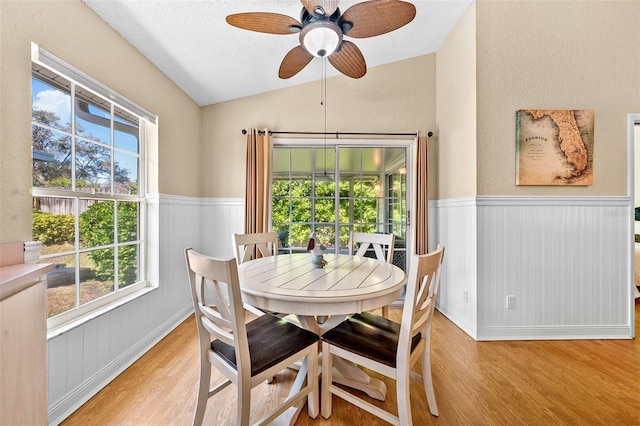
(322, 27)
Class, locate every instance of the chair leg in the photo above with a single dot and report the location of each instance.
(313, 399)
(427, 380)
(244, 401)
(203, 392)
(404, 398)
(327, 378)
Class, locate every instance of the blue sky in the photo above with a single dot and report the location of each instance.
(48, 98)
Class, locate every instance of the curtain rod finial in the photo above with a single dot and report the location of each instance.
(430, 134)
(260, 132)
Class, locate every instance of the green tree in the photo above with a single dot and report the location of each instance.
(93, 162)
(97, 229)
(55, 173)
(292, 205)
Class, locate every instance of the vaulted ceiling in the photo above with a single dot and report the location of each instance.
(191, 42)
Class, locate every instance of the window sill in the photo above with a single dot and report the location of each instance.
(76, 322)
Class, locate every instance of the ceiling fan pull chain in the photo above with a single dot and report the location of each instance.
(322, 82)
(324, 95)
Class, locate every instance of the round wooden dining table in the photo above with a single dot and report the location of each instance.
(321, 298)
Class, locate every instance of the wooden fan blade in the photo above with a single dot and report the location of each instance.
(294, 62)
(329, 6)
(349, 60)
(265, 22)
(375, 17)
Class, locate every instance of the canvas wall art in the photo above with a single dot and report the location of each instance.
(554, 147)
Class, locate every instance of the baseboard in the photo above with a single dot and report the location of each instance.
(577, 332)
(63, 408)
(465, 326)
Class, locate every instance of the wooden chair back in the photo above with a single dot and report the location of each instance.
(224, 318)
(379, 243)
(259, 244)
(420, 300)
(387, 347)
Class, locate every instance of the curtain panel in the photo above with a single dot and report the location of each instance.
(258, 181)
(422, 195)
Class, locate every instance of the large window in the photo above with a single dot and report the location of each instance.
(368, 193)
(88, 193)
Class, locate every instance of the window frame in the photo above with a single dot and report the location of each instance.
(145, 119)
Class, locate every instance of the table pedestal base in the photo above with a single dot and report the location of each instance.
(345, 372)
(349, 374)
(289, 417)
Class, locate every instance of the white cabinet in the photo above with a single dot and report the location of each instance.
(23, 344)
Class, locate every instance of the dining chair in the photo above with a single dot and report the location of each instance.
(379, 243)
(387, 347)
(247, 354)
(247, 246)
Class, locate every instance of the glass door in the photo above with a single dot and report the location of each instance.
(368, 193)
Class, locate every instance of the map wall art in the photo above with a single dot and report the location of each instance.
(554, 147)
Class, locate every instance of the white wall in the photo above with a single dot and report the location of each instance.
(452, 223)
(565, 259)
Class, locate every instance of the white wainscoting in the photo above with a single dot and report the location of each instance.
(220, 218)
(82, 360)
(565, 259)
(452, 223)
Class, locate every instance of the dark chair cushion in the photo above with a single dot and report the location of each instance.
(271, 340)
(370, 336)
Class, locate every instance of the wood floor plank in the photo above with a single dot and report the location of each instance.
(594, 382)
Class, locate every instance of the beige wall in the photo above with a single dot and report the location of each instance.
(636, 151)
(556, 55)
(455, 144)
(398, 97)
(77, 35)
(538, 54)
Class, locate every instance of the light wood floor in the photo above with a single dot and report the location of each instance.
(579, 382)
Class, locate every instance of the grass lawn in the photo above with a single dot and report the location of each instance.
(63, 298)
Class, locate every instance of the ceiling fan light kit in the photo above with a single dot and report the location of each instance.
(321, 38)
(323, 27)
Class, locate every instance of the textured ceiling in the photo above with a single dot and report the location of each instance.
(213, 62)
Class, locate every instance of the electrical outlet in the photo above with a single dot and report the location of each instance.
(511, 301)
(465, 295)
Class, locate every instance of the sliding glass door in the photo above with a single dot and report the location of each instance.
(338, 188)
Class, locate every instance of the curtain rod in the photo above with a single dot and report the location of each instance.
(337, 134)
